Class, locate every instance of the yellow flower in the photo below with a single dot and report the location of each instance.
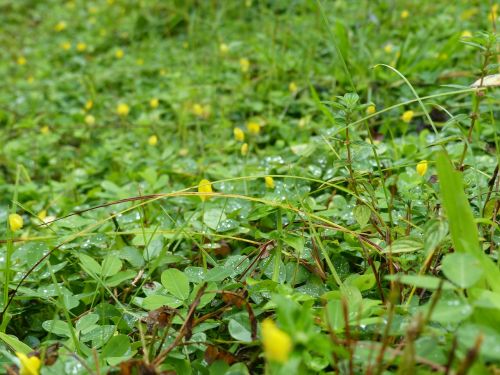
(205, 188)
(277, 343)
(292, 87)
(153, 103)
(269, 182)
(119, 53)
(90, 120)
(45, 129)
(60, 26)
(407, 116)
(388, 48)
(493, 15)
(153, 140)
(371, 109)
(405, 14)
(21, 60)
(244, 149)
(239, 135)
(422, 167)
(223, 48)
(16, 222)
(122, 109)
(31, 79)
(28, 365)
(253, 127)
(163, 72)
(198, 109)
(89, 104)
(201, 110)
(139, 62)
(244, 65)
(80, 47)
(42, 215)
(466, 34)
(66, 46)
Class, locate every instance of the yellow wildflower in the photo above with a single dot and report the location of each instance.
(81, 47)
(244, 149)
(21, 60)
(16, 222)
(407, 116)
(253, 127)
(292, 87)
(198, 109)
(119, 53)
(405, 14)
(66, 46)
(223, 48)
(422, 167)
(201, 110)
(277, 343)
(88, 105)
(371, 109)
(90, 120)
(163, 72)
(466, 34)
(28, 365)
(205, 188)
(388, 48)
(45, 129)
(153, 103)
(244, 65)
(269, 182)
(493, 15)
(239, 135)
(139, 62)
(31, 79)
(122, 109)
(153, 140)
(60, 26)
(42, 215)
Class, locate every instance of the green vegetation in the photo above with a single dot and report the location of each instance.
(249, 187)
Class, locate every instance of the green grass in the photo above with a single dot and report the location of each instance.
(320, 223)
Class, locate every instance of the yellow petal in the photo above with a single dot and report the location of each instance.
(28, 365)
(205, 188)
(422, 167)
(269, 182)
(277, 343)
(16, 222)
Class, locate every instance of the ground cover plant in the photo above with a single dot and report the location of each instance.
(249, 187)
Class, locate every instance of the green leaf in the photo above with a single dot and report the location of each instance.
(420, 281)
(14, 343)
(462, 269)
(213, 217)
(117, 346)
(57, 327)
(86, 322)
(158, 300)
(362, 214)
(110, 266)
(238, 331)
(463, 229)
(435, 232)
(176, 283)
(404, 245)
(89, 265)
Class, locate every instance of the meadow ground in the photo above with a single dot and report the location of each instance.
(248, 187)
